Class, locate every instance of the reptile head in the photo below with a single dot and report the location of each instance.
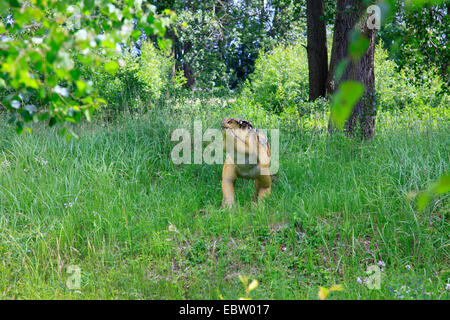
(232, 123)
(238, 134)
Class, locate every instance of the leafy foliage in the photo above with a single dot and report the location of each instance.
(137, 79)
(45, 42)
(417, 35)
(438, 187)
(280, 83)
(397, 89)
(280, 79)
(216, 43)
(200, 34)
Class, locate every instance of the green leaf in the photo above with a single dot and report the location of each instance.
(87, 114)
(19, 127)
(136, 34)
(81, 85)
(358, 45)
(344, 99)
(442, 185)
(68, 137)
(422, 201)
(111, 67)
(14, 3)
(75, 74)
(150, 18)
(43, 116)
(340, 68)
(52, 122)
(89, 4)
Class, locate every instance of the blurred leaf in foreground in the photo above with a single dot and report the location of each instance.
(441, 186)
(324, 292)
(344, 100)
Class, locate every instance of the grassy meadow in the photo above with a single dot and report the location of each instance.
(140, 227)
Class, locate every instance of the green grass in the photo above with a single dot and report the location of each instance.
(337, 207)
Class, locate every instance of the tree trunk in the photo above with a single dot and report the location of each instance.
(316, 48)
(188, 71)
(365, 110)
(348, 14)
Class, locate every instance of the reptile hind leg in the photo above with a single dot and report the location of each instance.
(262, 188)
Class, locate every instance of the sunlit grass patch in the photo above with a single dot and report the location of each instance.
(140, 227)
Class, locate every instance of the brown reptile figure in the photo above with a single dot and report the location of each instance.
(248, 157)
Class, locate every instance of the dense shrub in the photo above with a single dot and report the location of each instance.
(201, 33)
(139, 78)
(280, 83)
(399, 89)
(280, 78)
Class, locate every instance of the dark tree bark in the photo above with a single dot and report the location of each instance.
(349, 16)
(348, 13)
(188, 71)
(365, 110)
(316, 48)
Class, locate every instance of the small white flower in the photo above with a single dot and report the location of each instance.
(68, 205)
(126, 29)
(172, 228)
(447, 286)
(381, 263)
(15, 104)
(61, 91)
(5, 164)
(41, 161)
(92, 43)
(70, 9)
(81, 35)
(31, 108)
(36, 40)
(408, 267)
(118, 47)
(359, 280)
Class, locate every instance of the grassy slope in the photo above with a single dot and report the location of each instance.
(337, 207)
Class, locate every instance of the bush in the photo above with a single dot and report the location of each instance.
(280, 78)
(280, 83)
(399, 89)
(138, 79)
(202, 33)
